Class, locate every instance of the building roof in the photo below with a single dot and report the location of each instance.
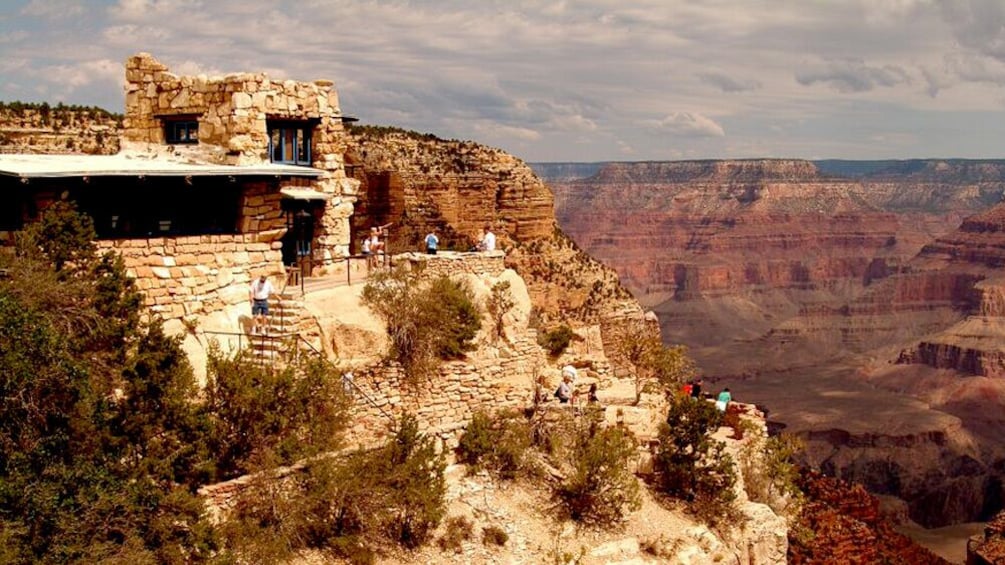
(125, 165)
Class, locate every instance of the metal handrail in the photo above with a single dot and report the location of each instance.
(355, 387)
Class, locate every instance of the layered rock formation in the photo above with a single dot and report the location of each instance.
(849, 528)
(420, 183)
(41, 128)
(803, 291)
(989, 548)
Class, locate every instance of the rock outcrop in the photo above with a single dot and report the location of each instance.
(989, 548)
(41, 128)
(419, 182)
(849, 528)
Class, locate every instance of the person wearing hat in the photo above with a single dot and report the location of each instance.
(564, 391)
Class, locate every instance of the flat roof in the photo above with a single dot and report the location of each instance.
(28, 166)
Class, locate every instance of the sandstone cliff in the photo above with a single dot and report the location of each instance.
(849, 528)
(419, 182)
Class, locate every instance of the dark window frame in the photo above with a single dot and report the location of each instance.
(181, 130)
(291, 142)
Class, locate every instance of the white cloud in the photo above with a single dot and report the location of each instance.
(566, 80)
(690, 124)
(498, 131)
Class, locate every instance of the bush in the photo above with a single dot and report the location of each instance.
(690, 465)
(347, 505)
(264, 417)
(601, 488)
(498, 444)
(459, 529)
(500, 302)
(658, 368)
(556, 341)
(426, 322)
(769, 473)
(99, 438)
(494, 535)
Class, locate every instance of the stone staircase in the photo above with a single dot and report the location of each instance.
(288, 325)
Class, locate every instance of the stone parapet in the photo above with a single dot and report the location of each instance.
(490, 263)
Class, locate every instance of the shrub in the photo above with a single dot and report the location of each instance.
(459, 529)
(692, 466)
(98, 434)
(769, 473)
(500, 302)
(657, 367)
(264, 417)
(346, 505)
(499, 444)
(601, 487)
(415, 473)
(426, 322)
(494, 535)
(556, 341)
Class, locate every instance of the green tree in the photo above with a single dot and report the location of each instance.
(84, 477)
(602, 487)
(262, 417)
(657, 367)
(690, 464)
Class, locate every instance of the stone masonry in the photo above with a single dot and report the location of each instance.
(233, 114)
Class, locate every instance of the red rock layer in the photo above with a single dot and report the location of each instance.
(841, 524)
(989, 548)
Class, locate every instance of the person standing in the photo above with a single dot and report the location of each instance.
(261, 290)
(431, 242)
(696, 389)
(488, 242)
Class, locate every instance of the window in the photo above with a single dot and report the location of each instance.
(290, 142)
(181, 131)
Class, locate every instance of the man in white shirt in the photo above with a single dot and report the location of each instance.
(259, 294)
(488, 242)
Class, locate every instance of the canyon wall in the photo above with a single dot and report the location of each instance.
(850, 307)
(420, 183)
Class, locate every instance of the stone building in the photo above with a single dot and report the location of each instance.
(218, 179)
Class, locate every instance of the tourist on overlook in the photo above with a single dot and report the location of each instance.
(592, 398)
(696, 388)
(376, 245)
(259, 294)
(564, 391)
(724, 399)
(488, 242)
(432, 242)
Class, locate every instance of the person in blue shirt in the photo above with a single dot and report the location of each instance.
(432, 242)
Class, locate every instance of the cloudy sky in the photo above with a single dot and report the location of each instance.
(573, 80)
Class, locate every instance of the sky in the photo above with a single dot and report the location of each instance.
(569, 80)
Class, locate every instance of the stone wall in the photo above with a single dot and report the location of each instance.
(446, 263)
(444, 404)
(199, 275)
